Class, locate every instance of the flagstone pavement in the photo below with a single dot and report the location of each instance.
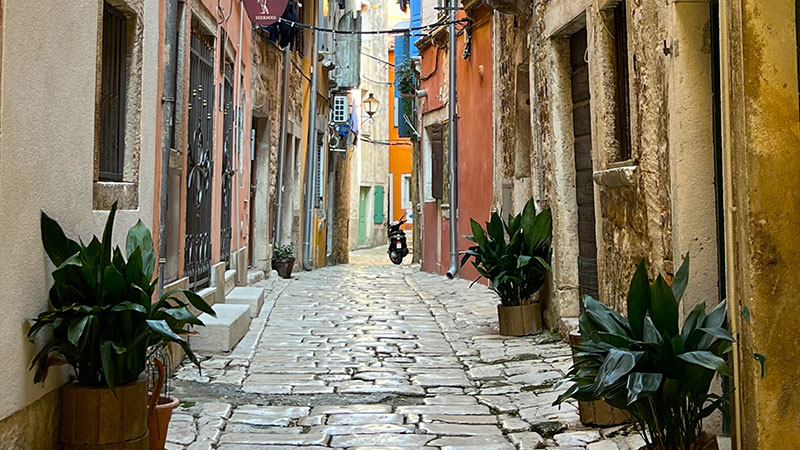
(375, 356)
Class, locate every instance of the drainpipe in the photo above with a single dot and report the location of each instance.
(169, 89)
(239, 123)
(453, 161)
(311, 152)
(282, 146)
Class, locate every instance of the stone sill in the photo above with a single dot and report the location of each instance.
(124, 192)
(619, 175)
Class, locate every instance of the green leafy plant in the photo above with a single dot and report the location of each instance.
(283, 252)
(646, 366)
(103, 317)
(513, 255)
(404, 74)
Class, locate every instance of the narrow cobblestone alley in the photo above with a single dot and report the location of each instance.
(374, 356)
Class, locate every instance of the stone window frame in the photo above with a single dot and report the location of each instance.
(126, 190)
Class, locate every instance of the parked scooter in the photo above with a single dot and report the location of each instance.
(398, 249)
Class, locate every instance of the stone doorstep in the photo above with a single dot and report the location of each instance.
(222, 333)
(208, 294)
(230, 281)
(251, 296)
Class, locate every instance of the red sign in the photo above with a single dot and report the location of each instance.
(265, 12)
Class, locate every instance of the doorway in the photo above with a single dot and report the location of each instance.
(584, 185)
(260, 211)
(362, 215)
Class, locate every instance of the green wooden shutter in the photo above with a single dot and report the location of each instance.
(378, 204)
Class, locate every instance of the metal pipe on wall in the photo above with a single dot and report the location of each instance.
(311, 153)
(287, 54)
(239, 123)
(452, 143)
(168, 94)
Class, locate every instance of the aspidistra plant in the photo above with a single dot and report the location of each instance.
(103, 317)
(644, 364)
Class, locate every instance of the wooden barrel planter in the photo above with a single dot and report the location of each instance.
(95, 419)
(520, 320)
(598, 413)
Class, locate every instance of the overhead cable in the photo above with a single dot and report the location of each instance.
(390, 32)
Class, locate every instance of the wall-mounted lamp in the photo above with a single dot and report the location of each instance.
(371, 105)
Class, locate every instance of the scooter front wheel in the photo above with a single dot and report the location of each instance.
(395, 258)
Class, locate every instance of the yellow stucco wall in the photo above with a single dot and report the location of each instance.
(762, 143)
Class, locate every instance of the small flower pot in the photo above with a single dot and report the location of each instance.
(96, 418)
(521, 320)
(284, 267)
(158, 421)
(598, 412)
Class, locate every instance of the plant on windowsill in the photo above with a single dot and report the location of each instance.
(646, 366)
(283, 260)
(514, 256)
(104, 323)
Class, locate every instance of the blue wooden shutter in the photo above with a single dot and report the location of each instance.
(378, 204)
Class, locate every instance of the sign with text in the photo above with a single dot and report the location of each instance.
(265, 12)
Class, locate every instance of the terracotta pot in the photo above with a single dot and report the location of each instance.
(598, 413)
(520, 320)
(95, 419)
(284, 267)
(158, 421)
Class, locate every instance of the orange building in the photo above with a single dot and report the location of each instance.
(399, 160)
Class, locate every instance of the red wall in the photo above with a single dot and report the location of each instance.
(475, 141)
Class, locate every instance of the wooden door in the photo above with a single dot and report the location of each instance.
(584, 185)
(362, 216)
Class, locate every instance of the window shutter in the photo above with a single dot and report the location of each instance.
(378, 204)
(437, 161)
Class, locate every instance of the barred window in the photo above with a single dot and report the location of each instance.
(112, 94)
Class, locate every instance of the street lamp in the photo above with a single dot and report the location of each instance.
(371, 105)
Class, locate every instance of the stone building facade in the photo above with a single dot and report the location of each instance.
(650, 139)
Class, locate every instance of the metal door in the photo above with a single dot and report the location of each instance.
(200, 161)
(227, 166)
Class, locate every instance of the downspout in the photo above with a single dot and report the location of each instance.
(452, 143)
(311, 153)
(169, 89)
(239, 123)
(287, 54)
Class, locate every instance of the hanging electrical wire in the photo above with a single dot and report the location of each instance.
(389, 32)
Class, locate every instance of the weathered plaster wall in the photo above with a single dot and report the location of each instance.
(48, 134)
(513, 142)
(633, 220)
(762, 136)
(370, 163)
(266, 88)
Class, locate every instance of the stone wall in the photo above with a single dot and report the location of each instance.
(35, 427)
(266, 89)
(635, 204)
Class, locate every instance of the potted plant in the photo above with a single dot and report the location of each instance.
(161, 403)
(103, 323)
(514, 256)
(646, 366)
(283, 260)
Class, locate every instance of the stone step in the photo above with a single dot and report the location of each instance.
(251, 296)
(221, 333)
(209, 294)
(254, 276)
(230, 281)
